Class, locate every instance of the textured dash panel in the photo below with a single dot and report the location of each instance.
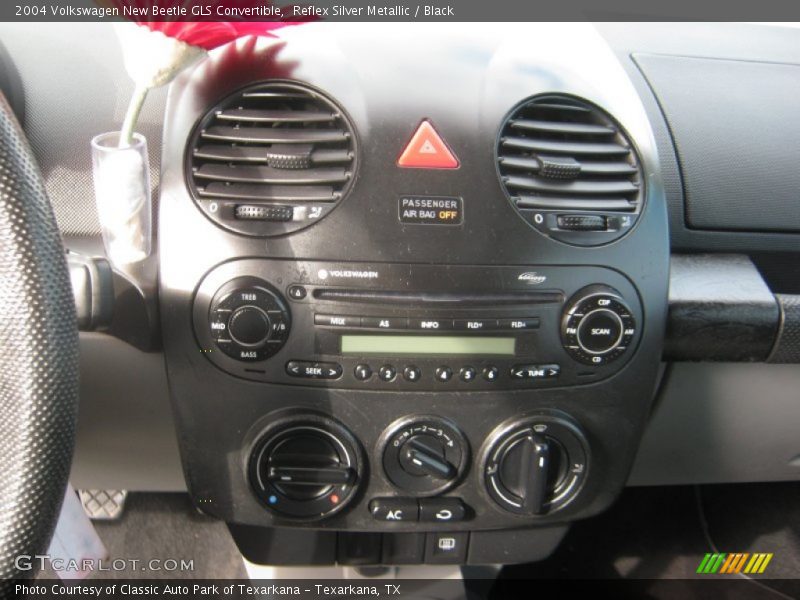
(737, 135)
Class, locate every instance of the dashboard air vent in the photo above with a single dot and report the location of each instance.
(271, 159)
(569, 170)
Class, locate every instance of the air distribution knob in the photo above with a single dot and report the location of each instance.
(306, 467)
(537, 465)
(424, 455)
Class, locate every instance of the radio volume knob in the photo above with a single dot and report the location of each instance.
(597, 326)
(248, 320)
(249, 326)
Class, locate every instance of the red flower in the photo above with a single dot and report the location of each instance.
(212, 34)
(186, 35)
(201, 31)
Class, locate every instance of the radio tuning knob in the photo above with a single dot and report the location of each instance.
(597, 326)
(424, 455)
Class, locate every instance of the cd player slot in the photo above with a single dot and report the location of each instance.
(437, 298)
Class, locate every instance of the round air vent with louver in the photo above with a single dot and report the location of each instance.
(271, 159)
(569, 170)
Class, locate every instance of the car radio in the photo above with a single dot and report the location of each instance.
(416, 327)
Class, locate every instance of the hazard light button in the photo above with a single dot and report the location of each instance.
(427, 150)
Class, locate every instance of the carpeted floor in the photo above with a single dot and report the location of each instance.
(658, 533)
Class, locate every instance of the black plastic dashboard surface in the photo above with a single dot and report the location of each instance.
(737, 139)
(746, 45)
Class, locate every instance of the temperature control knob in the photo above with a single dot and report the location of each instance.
(306, 467)
(536, 466)
(597, 326)
(249, 321)
(424, 455)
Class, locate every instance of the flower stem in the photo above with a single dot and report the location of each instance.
(132, 115)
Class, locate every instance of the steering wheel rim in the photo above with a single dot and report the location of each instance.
(39, 354)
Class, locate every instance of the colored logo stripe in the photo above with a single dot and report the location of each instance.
(711, 563)
(734, 563)
(758, 564)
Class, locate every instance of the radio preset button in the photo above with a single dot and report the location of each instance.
(431, 324)
(466, 374)
(475, 324)
(314, 370)
(444, 373)
(517, 324)
(387, 373)
(384, 322)
(362, 372)
(490, 373)
(412, 374)
(337, 320)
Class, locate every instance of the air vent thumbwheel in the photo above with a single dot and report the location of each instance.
(271, 159)
(570, 170)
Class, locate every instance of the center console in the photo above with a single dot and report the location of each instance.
(418, 315)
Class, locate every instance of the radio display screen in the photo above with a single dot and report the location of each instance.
(427, 344)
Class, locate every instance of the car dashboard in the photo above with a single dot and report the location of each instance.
(413, 283)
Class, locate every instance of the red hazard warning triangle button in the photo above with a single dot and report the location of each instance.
(427, 150)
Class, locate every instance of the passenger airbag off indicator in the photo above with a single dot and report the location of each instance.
(431, 210)
(427, 150)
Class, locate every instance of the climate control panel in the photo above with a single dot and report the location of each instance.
(306, 466)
